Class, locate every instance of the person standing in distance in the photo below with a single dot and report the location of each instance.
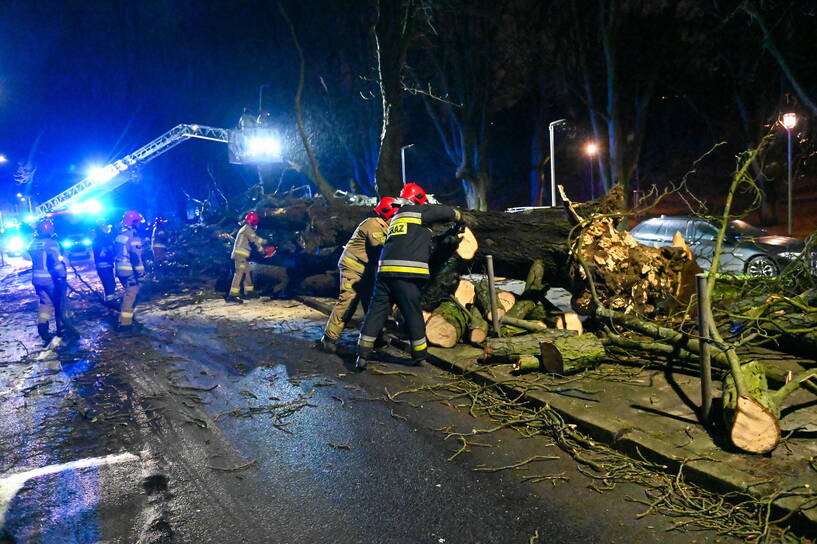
(402, 272)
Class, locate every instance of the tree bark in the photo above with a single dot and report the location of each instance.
(447, 324)
(527, 344)
(572, 354)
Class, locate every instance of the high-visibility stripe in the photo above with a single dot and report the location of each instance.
(405, 269)
(242, 266)
(399, 262)
(418, 342)
(234, 290)
(366, 341)
(44, 315)
(122, 239)
(159, 245)
(420, 347)
(416, 215)
(126, 314)
(412, 220)
(353, 263)
(39, 274)
(110, 297)
(241, 252)
(104, 265)
(249, 289)
(123, 267)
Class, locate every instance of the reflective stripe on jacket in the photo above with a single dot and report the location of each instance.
(364, 245)
(408, 246)
(47, 264)
(246, 236)
(128, 254)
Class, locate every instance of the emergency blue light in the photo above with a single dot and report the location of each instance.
(67, 243)
(15, 243)
(86, 241)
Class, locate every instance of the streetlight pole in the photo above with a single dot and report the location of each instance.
(261, 96)
(789, 122)
(403, 160)
(551, 128)
(591, 149)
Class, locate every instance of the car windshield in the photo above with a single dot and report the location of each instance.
(742, 229)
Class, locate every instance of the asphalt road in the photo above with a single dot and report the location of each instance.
(216, 423)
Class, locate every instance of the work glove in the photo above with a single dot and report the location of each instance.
(269, 251)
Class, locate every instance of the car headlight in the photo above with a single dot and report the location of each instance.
(86, 242)
(67, 243)
(15, 243)
(791, 255)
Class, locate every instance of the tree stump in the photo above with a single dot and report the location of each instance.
(753, 418)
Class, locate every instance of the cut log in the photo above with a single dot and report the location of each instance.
(573, 354)
(526, 363)
(525, 324)
(465, 292)
(506, 300)
(527, 344)
(447, 324)
(468, 245)
(570, 321)
(754, 428)
(478, 327)
(519, 311)
(483, 299)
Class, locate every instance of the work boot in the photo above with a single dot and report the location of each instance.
(233, 299)
(68, 331)
(361, 363)
(42, 329)
(327, 345)
(416, 362)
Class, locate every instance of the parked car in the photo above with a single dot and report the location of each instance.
(77, 247)
(746, 249)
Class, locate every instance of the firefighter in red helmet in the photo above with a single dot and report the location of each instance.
(403, 270)
(128, 264)
(49, 277)
(357, 265)
(244, 240)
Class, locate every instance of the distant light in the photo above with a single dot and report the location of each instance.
(102, 174)
(15, 243)
(3, 159)
(67, 243)
(86, 241)
(264, 147)
(19, 195)
(89, 207)
(30, 219)
(194, 128)
(591, 148)
(11, 224)
(789, 120)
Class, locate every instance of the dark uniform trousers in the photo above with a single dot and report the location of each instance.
(52, 303)
(406, 293)
(108, 280)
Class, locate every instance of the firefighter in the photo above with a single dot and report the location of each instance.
(49, 277)
(240, 255)
(160, 236)
(128, 265)
(357, 265)
(402, 271)
(103, 248)
(247, 119)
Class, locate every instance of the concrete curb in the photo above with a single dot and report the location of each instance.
(668, 438)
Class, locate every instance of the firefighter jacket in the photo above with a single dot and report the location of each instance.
(128, 254)
(103, 247)
(160, 236)
(47, 264)
(246, 236)
(408, 247)
(364, 245)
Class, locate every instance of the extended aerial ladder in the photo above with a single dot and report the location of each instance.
(259, 145)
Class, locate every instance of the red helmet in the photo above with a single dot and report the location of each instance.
(45, 227)
(386, 208)
(251, 219)
(132, 218)
(414, 193)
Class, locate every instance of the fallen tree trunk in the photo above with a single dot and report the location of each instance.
(517, 312)
(527, 344)
(572, 354)
(752, 418)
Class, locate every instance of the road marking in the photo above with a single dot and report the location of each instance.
(10, 485)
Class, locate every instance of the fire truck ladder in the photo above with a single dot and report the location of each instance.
(110, 177)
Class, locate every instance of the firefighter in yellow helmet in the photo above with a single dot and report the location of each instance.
(358, 265)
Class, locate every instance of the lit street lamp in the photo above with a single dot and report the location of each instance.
(551, 128)
(591, 149)
(403, 160)
(789, 122)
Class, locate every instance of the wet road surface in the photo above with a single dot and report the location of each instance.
(217, 423)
